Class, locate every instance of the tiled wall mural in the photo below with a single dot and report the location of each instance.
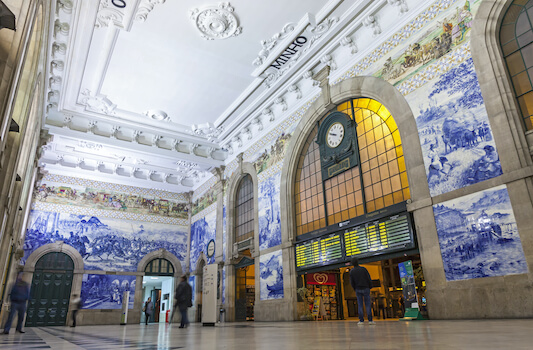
(104, 243)
(275, 153)
(204, 201)
(455, 135)
(271, 276)
(269, 212)
(223, 296)
(202, 231)
(478, 236)
(96, 195)
(106, 291)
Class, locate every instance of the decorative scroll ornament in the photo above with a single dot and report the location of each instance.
(99, 103)
(108, 15)
(207, 130)
(144, 8)
(216, 22)
(269, 44)
(402, 6)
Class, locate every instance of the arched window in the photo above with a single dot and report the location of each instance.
(244, 210)
(379, 181)
(159, 267)
(516, 40)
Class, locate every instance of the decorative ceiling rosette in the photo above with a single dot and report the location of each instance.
(216, 21)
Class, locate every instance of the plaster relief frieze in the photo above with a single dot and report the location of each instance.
(54, 80)
(59, 49)
(280, 101)
(372, 23)
(295, 89)
(62, 28)
(51, 106)
(216, 21)
(267, 112)
(329, 61)
(228, 148)
(53, 96)
(257, 121)
(64, 5)
(207, 130)
(185, 166)
(402, 5)
(269, 44)
(309, 75)
(90, 145)
(57, 66)
(247, 132)
(145, 7)
(98, 103)
(350, 44)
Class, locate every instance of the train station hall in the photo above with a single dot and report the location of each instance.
(302, 174)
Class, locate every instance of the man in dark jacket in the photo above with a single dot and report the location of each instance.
(20, 293)
(361, 283)
(183, 300)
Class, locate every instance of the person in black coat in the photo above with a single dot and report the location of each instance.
(183, 300)
(361, 283)
(20, 293)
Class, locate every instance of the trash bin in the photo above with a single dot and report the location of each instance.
(167, 316)
(222, 315)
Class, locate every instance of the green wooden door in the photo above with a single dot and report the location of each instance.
(50, 291)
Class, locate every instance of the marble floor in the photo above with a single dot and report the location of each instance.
(332, 335)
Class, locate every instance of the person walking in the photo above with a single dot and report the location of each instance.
(183, 300)
(148, 309)
(361, 283)
(20, 293)
(76, 305)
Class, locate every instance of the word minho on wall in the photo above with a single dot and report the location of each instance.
(289, 52)
(119, 3)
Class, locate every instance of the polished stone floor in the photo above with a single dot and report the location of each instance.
(449, 335)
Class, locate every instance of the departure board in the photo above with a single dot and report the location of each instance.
(391, 233)
(320, 251)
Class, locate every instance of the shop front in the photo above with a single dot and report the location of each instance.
(384, 242)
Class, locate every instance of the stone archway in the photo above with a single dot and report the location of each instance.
(420, 203)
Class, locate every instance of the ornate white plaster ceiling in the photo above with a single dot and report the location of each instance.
(137, 80)
(137, 94)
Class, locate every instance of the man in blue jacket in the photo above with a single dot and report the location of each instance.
(20, 293)
(361, 283)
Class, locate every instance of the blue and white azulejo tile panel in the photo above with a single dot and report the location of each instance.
(104, 243)
(455, 135)
(106, 291)
(478, 236)
(269, 212)
(271, 276)
(202, 231)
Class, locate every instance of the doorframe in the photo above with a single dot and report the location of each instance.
(77, 275)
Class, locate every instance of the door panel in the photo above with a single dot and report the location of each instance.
(50, 291)
(240, 294)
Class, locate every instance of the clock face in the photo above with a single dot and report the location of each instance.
(335, 135)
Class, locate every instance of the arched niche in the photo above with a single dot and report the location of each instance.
(58, 246)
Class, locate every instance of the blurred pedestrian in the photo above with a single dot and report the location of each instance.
(77, 303)
(183, 300)
(20, 293)
(361, 283)
(148, 309)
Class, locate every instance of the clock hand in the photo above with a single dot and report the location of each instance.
(332, 134)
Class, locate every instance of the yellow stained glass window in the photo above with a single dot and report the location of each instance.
(379, 181)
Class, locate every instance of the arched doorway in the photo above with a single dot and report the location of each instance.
(158, 284)
(50, 290)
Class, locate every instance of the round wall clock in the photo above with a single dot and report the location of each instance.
(211, 248)
(335, 135)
